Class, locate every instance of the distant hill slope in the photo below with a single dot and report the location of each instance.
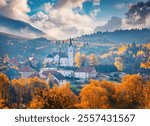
(7, 37)
(120, 36)
(18, 27)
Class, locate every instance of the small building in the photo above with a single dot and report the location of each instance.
(67, 71)
(55, 77)
(26, 70)
(85, 73)
(14, 62)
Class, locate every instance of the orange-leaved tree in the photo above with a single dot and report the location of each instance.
(94, 96)
(4, 90)
(130, 93)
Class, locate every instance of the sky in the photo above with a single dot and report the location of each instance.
(62, 19)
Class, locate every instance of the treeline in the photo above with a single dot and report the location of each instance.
(33, 93)
(118, 36)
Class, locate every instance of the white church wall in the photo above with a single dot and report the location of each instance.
(56, 59)
(70, 56)
(64, 62)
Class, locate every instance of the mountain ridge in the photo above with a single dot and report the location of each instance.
(8, 37)
(18, 27)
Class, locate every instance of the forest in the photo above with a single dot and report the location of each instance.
(133, 92)
(118, 36)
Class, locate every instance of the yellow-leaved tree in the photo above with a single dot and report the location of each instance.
(93, 96)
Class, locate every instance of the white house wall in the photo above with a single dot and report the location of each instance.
(81, 75)
(66, 72)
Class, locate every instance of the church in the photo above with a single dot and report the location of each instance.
(61, 58)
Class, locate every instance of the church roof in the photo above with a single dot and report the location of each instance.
(50, 56)
(62, 54)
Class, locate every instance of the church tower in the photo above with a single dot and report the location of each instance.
(70, 54)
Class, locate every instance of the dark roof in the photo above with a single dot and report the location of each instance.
(50, 56)
(26, 68)
(59, 76)
(36, 74)
(68, 68)
(62, 54)
(12, 73)
(85, 69)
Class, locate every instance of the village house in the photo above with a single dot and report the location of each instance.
(55, 77)
(26, 70)
(85, 73)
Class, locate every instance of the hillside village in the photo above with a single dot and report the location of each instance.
(59, 66)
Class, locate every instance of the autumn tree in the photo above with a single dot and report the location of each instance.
(38, 99)
(94, 96)
(147, 94)
(36, 82)
(119, 64)
(146, 65)
(122, 49)
(56, 98)
(111, 92)
(93, 60)
(130, 93)
(140, 53)
(4, 90)
(19, 91)
(78, 59)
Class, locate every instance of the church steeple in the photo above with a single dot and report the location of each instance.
(70, 53)
(70, 43)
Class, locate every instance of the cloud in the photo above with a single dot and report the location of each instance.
(16, 9)
(138, 15)
(94, 12)
(113, 24)
(60, 21)
(70, 3)
(96, 2)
